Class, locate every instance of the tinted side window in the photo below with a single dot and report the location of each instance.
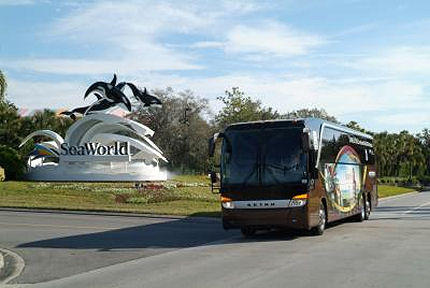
(332, 142)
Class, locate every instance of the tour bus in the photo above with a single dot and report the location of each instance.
(298, 174)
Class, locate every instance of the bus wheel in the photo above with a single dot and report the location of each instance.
(248, 231)
(367, 208)
(319, 229)
(362, 215)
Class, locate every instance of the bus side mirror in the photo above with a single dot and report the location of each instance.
(211, 147)
(310, 146)
(212, 143)
(309, 140)
(313, 171)
(215, 182)
(315, 142)
(214, 177)
(314, 155)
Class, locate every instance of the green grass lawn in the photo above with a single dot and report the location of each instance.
(184, 195)
(385, 190)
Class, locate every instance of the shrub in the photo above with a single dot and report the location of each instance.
(424, 179)
(12, 163)
(401, 181)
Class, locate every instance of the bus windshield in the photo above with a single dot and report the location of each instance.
(263, 157)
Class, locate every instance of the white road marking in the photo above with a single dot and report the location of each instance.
(1, 261)
(416, 208)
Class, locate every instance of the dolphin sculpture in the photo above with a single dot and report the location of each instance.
(109, 91)
(111, 94)
(143, 96)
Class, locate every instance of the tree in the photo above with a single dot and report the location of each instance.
(399, 154)
(382, 156)
(41, 120)
(10, 125)
(424, 138)
(3, 86)
(46, 119)
(314, 112)
(354, 125)
(181, 130)
(241, 108)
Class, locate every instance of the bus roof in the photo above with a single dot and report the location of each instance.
(312, 123)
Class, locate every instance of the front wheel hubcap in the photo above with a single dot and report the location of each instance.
(367, 207)
(322, 217)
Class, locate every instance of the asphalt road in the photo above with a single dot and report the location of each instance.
(392, 249)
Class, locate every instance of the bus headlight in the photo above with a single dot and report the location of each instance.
(228, 205)
(297, 203)
(226, 202)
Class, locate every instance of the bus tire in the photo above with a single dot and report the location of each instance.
(367, 207)
(362, 215)
(247, 231)
(322, 216)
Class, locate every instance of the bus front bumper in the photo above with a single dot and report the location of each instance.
(282, 218)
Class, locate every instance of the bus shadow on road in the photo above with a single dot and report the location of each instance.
(270, 235)
(285, 234)
(178, 233)
(181, 233)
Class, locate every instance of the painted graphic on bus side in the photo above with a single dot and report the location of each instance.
(343, 179)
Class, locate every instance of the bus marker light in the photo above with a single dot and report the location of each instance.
(299, 200)
(301, 196)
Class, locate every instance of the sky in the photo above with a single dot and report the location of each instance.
(367, 61)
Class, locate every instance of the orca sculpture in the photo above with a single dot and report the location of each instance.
(143, 96)
(110, 95)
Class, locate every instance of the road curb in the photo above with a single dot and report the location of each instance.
(16, 266)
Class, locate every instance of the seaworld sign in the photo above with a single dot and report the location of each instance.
(100, 145)
(119, 151)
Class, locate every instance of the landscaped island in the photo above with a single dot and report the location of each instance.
(183, 195)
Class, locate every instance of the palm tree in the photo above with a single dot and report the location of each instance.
(3, 86)
(424, 138)
(10, 125)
